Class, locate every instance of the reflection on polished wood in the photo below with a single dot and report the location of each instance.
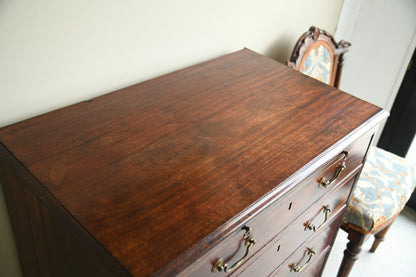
(158, 178)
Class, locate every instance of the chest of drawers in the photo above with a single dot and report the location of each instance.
(236, 166)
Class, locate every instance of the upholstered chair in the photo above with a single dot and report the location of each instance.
(386, 181)
(385, 184)
(317, 55)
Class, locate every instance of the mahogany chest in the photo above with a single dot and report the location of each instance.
(236, 166)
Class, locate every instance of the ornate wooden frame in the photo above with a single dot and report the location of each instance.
(311, 37)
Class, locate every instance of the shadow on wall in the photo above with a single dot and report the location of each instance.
(280, 49)
(9, 263)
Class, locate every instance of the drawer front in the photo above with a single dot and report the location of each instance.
(233, 251)
(269, 223)
(307, 256)
(268, 258)
(278, 251)
(317, 265)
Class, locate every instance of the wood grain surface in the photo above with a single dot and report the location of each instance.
(153, 169)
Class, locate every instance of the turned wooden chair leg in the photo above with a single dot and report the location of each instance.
(356, 240)
(379, 237)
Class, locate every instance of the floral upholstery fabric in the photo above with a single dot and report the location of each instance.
(385, 185)
(318, 64)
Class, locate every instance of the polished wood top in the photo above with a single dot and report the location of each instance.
(151, 170)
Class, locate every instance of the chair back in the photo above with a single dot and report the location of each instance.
(317, 55)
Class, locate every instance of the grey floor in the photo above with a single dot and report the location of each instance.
(396, 256)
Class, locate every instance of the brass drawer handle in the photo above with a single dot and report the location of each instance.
(294, 268)
(311, 226)
(326, 183)
(219, 265)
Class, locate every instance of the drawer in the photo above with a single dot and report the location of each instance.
(286, 244)
(307, 256)
(316, 266)
(270, 222)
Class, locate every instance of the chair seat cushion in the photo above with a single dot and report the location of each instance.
(385, 185)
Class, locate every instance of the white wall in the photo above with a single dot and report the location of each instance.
(383, 37)
(411, 153)
(54, 53)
